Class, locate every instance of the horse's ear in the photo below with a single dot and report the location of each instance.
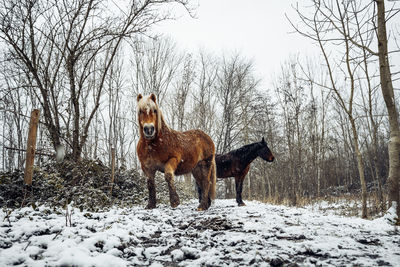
(263, 140)
(139, 97)
(153, 97)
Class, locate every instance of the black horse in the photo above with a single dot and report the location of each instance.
(236, 163)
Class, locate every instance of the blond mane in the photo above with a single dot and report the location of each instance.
(147, 104)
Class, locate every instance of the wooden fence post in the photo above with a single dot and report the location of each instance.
(112, 169)
(31, 147)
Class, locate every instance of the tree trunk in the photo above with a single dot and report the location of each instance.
(360, 165)
(388, 95)
(31, 146)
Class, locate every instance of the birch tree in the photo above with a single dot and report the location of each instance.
(390, 101)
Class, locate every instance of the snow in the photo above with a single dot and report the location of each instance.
(391, 215)
(225, 235)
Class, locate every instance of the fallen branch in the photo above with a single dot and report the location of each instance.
(58, 233)
(24, 150)
(27, 245)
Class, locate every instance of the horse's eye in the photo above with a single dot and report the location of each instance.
(155, 111)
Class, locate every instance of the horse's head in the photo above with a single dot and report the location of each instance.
(264, 152)
(149, 116)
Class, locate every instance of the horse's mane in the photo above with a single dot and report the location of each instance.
(161, 120)
(146, 104)
(241, 151)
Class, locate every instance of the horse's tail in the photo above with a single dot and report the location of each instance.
(213, 179)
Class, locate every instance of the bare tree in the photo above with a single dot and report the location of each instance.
(235, 89)
(65, 49)
(180, 96)
(388, 96)
(266, 124)
(336, 17)
(358, 17)
(317, 111)
(235, 85)
(291, 95)
(203, 105)
(155, 65)
(14, 107)
(373, 123)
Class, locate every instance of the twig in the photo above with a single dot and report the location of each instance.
(19, 114)
(8, 213)
(66, 213)
(27, 245)
(26, 190)
(112, 170)
(58, 233)
(37, 152)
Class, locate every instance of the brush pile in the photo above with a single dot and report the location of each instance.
(86, 184)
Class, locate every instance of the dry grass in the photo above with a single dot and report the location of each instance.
(346, 205)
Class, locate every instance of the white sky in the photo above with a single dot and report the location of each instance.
(258, 29)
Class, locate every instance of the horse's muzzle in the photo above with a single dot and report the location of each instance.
(149, 131)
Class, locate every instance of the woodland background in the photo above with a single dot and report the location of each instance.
(83, 65)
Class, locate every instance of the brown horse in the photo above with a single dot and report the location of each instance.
(237, 164)
(173, 153)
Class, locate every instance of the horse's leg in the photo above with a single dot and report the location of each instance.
(203, 179)
(239, 188)
(151, 186)
(199, 191)
(169, 170)
(239, 185)
(196, 172)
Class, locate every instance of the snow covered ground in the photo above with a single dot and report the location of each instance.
(225, 235)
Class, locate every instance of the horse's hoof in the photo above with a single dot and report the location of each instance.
(174, 201)
(241, 204)
(174, 205)
(202, 208)
(150, 207)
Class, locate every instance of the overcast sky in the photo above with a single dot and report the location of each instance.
(258, 29)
